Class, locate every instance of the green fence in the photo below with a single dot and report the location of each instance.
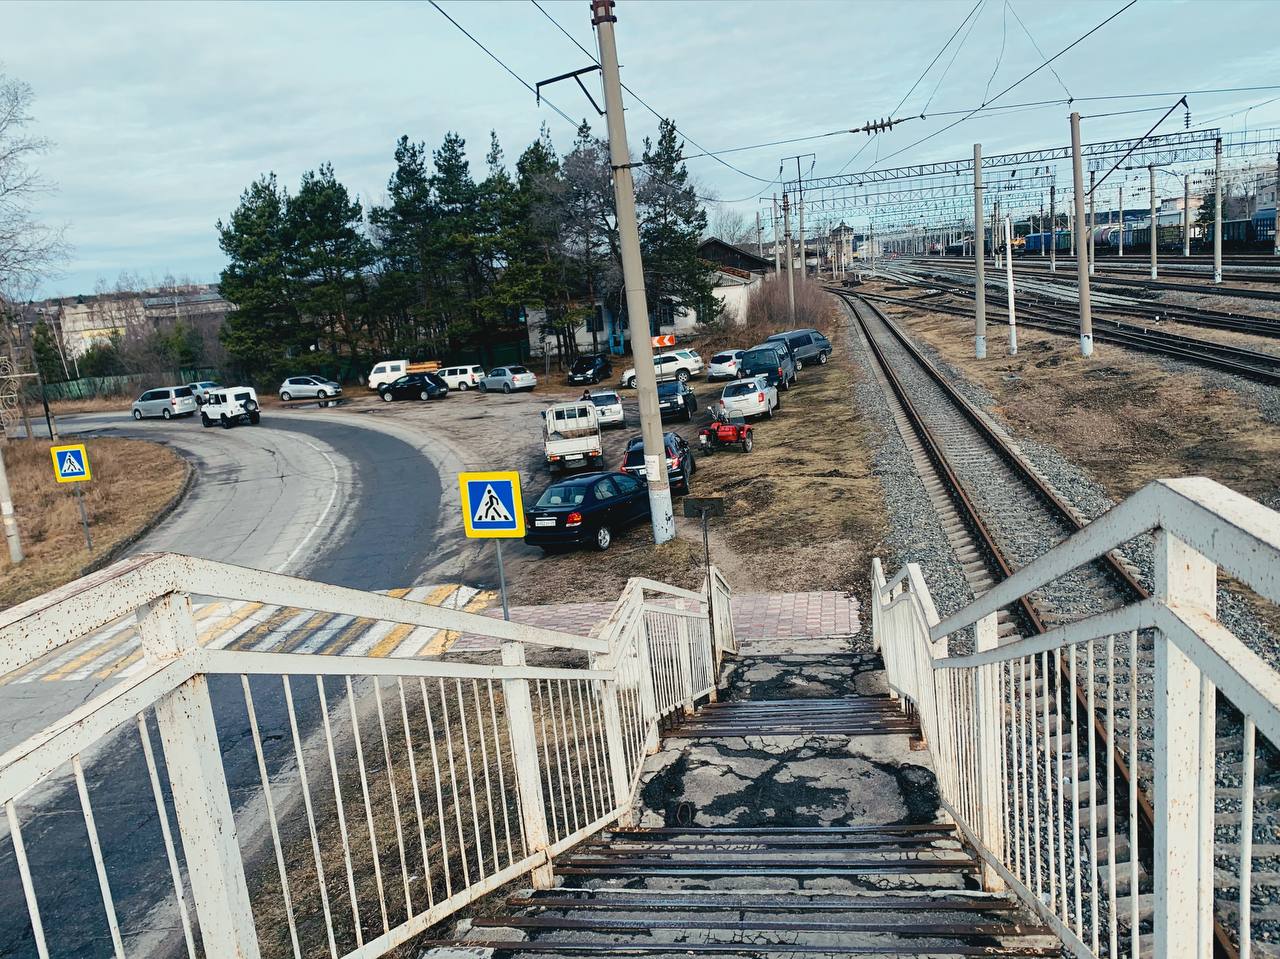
(92, 387)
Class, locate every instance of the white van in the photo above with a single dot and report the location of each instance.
(462, 377)
(571, 435)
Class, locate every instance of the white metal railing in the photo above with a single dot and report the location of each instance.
(1023, 735)
(354, 801)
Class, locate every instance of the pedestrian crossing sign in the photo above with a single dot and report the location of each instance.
(71, 464)
(491, 505)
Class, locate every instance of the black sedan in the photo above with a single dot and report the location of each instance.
(676, 401)
(587, 510)
(414, 386)
(591, 369)
(681, 464)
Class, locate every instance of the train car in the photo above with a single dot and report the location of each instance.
(1264, 227)
(1237, 236)
(1035, 242)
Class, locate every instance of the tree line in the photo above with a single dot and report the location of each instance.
(450, 262)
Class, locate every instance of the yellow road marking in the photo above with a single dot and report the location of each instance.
(224, 626)
(252, 637)
(304, 632)
(345, 635)
(402, 630)
(444, 638)
(114, 644)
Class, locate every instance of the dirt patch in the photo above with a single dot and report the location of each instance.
(133, 480)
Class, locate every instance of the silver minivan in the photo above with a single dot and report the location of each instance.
(166, 403)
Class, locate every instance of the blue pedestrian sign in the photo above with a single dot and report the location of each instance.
(71, 464)
(491, 505)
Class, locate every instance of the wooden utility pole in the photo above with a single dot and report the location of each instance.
(655, 457)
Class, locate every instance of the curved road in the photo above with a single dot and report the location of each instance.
(318, 495)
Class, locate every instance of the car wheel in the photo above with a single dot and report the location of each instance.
(226, 423)
(286, 396)
(683, 376)
(424, 395)
(799, 365)
(768, 413)
(778, 405)
(255, 418)
(506, 387)
(386, 397)
(604, 538)
(322, 394)
(822, 358)
(483, 388)
(166, 414)
(688, 415)
(137, 414)
(747, 443)
(463, 387)
(631, 383)
(205, 421)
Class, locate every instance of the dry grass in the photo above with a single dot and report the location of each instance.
(132, 481)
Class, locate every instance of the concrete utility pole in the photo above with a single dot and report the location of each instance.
(1082, 254)
(1041, 230)
(1122, 219)
(980, 279)
(791, 269)
(1186, 214)
(6, 512)
(777, 253)
(1092, 223)
(1217, 210)
(1008, 279)
(1152, 170)
(655, 457)
(1053, 228)
(1276, 207)
(804, 267)
(759, 236)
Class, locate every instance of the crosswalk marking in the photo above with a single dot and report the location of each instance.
(116, 652)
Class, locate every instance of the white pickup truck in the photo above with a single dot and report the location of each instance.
(571, 435)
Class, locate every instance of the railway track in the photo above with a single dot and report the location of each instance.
(1054, 317)
(999, 514)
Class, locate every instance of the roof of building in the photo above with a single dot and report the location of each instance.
(714, 243)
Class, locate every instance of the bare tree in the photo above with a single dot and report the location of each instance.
(28, 248)
(731, 225)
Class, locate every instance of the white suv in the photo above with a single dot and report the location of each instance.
(229, 405)
(462, 377)
(679, 365)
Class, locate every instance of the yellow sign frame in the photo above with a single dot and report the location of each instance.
(469, 508)
(84, 458)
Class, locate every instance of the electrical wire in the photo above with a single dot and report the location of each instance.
(1004, 33)
(1036, 46)
(498, 60)
(1024, 77)
(596, 60)
(938, 55)
(950, 63)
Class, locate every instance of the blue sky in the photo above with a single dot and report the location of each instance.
(162, 113)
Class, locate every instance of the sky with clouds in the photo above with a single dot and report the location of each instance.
(161, 113)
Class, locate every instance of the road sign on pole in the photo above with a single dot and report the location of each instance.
(667, 339)
(71, 465)
(492, 509)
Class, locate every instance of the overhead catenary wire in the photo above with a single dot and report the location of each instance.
(1182, 102)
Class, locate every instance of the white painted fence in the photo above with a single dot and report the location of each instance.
(1049, 814)
(389, 793)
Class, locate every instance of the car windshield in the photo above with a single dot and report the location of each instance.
(739, 389)
(517, 370)
(583, 364)
(723, 358)
(564, 494)
(604, 399)
(207, 386)
(437, 380)
(182, 391)
(667, 390)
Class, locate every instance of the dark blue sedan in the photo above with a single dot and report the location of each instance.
(586, 510)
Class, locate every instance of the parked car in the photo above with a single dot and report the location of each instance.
(676, 400)
(608, 408)
(571, 435)
(462, 378)
(753, 397)
(167, 402)
(669, 366)
(414, 386)
(681, 464)
(586, 510)
(198, 390)
(591, 368)
(388, 370)
(228, 405)
(805, 346)
(724, 366)
(771, 360)
(508, 378)
(309, 387)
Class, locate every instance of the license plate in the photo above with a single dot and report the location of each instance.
(544, 522)
(574, 456)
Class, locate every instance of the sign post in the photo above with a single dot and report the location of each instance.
(666, 339)
(706, 507)
(71, 465)
(492, 509)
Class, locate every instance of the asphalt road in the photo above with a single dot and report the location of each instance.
(321, 496)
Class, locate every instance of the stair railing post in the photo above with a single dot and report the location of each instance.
(648, 692)
(524, 750)
(683, 642)
(201, 801)
(619, 774)
(990, 712)
(1183, 919)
